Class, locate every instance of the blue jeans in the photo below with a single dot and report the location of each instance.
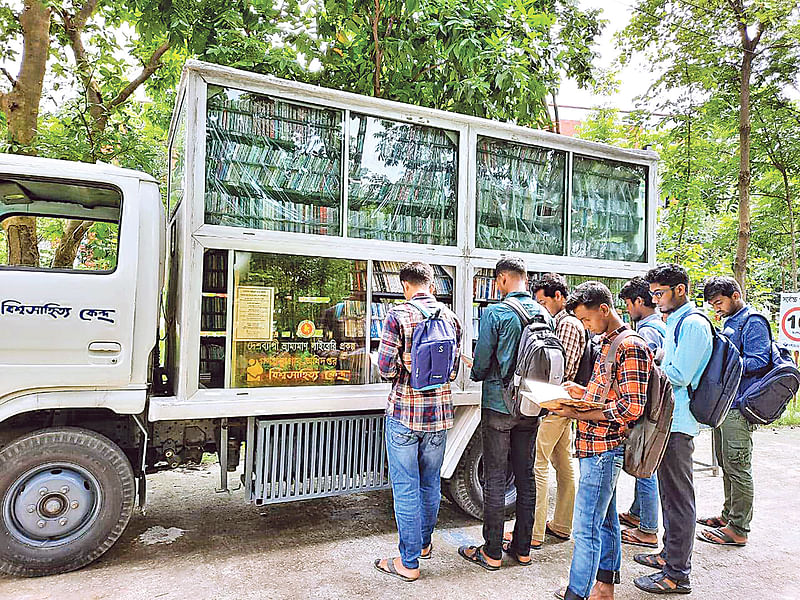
(645, 503)
(415, 462)
(597, 553)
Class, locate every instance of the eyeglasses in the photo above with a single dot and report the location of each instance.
(656, 294)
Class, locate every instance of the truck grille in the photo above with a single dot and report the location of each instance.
(296, 459)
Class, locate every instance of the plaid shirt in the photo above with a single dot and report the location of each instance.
(430, 410)
(626, 399)
(573, 337)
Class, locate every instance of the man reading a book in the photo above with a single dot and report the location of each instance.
(602, 425)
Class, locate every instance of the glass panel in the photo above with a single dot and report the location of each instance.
(403, 182)
(272, 164)
(612, 283)
(608, 210)
(214, 318)
(388, 291)
(298, 320)
(76, 227)
(177, 158)
(521, 196)
(484, 293)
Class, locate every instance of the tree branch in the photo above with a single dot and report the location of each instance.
(9, 75)
(73, 25)
(150, 67)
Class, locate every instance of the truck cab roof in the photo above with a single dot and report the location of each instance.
(70, 169)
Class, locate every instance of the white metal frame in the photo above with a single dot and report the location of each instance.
(192, 402)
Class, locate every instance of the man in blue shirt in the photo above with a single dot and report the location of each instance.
(733, 439)
(494, 363)
(642, 517)
(684, 362)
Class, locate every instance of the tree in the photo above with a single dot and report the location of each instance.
(719, 47)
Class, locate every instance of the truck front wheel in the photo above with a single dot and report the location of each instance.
(466, 485)
(66, 495)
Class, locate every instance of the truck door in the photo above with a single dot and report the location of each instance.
(67, 282)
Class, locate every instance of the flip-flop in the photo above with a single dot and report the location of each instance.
(507, 549)
(726, 539)
(550, 531)
(712, 522)
(535, 544)
(628, 537)
(391, 570)
(628, 519)
(649, 560)
(560, 594)
(477, 557)
(429, 554)
(657, 584)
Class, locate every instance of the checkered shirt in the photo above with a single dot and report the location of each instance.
(573, 337)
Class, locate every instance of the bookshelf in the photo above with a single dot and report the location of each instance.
(608, 210)
(214, 318)
(402, 182)
(520, 197)
(272, 164)
(484, 293)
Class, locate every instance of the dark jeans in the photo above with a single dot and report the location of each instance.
(676, 487)
(503, 435)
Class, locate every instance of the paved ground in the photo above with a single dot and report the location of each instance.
(223, 548)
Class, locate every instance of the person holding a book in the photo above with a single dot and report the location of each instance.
(597, 554)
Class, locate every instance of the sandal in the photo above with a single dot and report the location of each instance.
(391, 570)
(654, 561)
(723, 538)
(712, 522)
(427, 555)
(659, 583)
(517, 558)
(628, 519)
(535, 544)
(630, 536)
(476, 557)
(550, 531)
(560, 593)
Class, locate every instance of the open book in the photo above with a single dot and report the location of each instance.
(545, 395)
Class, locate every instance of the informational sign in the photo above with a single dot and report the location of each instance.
(253, 314)
(789, 330)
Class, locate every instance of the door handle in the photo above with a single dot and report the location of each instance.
(105, 347)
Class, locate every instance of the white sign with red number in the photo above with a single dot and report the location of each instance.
(789, 334)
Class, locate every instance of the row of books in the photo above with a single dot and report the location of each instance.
(542, 205)
(484, 286)
(215, 275)
(274, 179)
(259, 212)
(275, 119)
(499, 155)
(380, 225)
(608, 249)
(211, 350)
(271, 155)
(212, 315)
(521, 239)
(477, 313)
(386, 278)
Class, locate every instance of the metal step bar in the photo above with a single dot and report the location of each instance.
(302, 458)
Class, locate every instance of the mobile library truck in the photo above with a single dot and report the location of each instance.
(244, 317)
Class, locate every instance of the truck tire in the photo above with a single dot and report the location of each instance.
(466, 485)
(66, 495)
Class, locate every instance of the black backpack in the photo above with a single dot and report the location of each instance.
(764, 400)
(540, 357)
(712, 399)
(591, 350)
(646, 440)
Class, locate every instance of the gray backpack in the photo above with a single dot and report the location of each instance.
(646, 440)
(540, 357)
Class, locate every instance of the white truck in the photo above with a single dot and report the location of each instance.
(243, 317)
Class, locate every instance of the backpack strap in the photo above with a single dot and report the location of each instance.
(611, 359)
(520, 311)
(693, 311)
(425, 313)
(744, 323)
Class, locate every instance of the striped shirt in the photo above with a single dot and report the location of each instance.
(429, 410)
(626, 399)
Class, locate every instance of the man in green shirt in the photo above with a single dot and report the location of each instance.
(494, 363)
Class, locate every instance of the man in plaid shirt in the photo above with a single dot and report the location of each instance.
(598, 444)
(416, 424)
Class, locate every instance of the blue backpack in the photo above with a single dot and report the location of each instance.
(712, 399)
(433, 350)
(766, 398)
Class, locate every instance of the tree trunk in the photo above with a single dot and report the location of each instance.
(21, 107)
(70, 242)
(787, 191)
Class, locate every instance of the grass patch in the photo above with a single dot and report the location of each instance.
(792, 414)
